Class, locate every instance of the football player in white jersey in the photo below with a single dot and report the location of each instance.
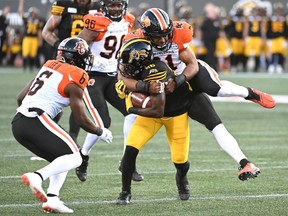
(104, 33)
(58, 84)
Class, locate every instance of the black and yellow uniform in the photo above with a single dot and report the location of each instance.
(175, 121)
(254, 40)
(72, 17)
(235, 29)
(276, 35)
(175, 116)
(30, 43)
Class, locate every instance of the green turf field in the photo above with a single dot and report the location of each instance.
(215, 189)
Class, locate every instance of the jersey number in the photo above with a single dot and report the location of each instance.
(110, 45)
(169, 61)
(39, 83)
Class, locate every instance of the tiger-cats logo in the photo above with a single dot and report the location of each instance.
(137, 55)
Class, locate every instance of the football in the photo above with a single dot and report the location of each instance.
(140, 100)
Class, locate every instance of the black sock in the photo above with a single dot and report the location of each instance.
(243, 162)
(252, 95)
(51, 195)
(39, 175)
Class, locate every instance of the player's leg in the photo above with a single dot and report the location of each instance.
(178, 134)
(147, 127)
(207, 81)
(202, 110)
(96, 104)
(62, 157)
(119, 104)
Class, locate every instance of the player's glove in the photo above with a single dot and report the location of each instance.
(106, 135)
(121, 89)
(128, 102)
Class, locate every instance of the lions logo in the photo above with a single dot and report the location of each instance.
(80, 47)
(137, 55)
(146, 21)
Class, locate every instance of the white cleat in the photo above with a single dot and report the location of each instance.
(55, 205)
(35, 183)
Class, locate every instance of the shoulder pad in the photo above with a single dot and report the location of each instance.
(135, 34)
(182, 34)
(79, 77)
(96, 22)
(130, 18)
(59, 7)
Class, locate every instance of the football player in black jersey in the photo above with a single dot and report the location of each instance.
(135, 60)
(67, 19)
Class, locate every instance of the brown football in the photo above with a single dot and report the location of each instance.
(140, 100)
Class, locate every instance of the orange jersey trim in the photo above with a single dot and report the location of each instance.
(71, 74)
(182, 34)
(96, 22)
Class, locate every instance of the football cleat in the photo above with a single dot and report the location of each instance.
(135, 176)
(124, 198)
(248, 172)
(261, 98)
(81, 171)
(34, 181)
(55, 205)
(183, 187)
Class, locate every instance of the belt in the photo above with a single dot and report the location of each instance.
(37, 110)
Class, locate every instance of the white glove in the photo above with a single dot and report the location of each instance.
(106, 135)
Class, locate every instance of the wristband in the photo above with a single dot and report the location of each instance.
(142, 86)
(179, 80)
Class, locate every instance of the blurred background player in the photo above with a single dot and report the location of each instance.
(3, 34)
(58, 84)
(235, 33)
(254, 34)
(277, 32)
(32, 36)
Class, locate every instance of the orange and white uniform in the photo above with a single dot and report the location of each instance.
(182, 38)
(106, 46)
(47, 90)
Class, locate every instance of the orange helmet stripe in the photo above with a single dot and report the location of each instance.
(160, 18)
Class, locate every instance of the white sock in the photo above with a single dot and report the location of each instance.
(128, 122)
(90, 141)
(61, 164)
(56, 182)
(228, 143)
(229, 89)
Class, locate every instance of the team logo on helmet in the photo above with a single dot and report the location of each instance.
(146, 21)
(137, 55)
(80, 47)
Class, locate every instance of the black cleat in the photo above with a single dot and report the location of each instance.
(81, 171)
(135, 176)
(124, 198)
(183, 187)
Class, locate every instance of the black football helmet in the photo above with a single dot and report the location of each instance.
(75, 51)
(134, 55)
(114, 14)
(155, 22)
